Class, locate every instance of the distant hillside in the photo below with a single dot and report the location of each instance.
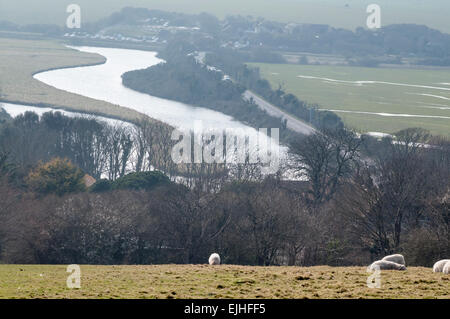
(251, 34)
(258, 36)
(344, 14)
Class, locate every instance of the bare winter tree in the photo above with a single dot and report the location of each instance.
(191, 223)
(143, 138)
(86, 143)
(393, 195)
(119, 150)
(325, 160)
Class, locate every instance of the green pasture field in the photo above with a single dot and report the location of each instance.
(218, 282)
(424, 93)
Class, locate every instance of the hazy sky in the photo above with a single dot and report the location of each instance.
(434, 13)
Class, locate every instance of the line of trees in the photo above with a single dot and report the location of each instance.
(98, 148)
(234, 64)
(355, 199)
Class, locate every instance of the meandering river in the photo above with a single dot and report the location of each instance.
(104, 82)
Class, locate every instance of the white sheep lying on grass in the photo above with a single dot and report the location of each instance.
(397, 258)
(446, 268)
(439, 266)
(386, 265)
(214, 259)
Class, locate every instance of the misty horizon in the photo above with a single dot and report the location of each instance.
(336, 13)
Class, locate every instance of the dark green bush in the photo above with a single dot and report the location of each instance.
(102, 185)
(141, 181)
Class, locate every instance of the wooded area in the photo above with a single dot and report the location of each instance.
(360, 199)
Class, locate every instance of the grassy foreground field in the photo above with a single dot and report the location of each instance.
(20, 59)
(219, 282)
(395, 94)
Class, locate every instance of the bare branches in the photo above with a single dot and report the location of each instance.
(326, 160)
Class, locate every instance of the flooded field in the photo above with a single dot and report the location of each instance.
(371, 99)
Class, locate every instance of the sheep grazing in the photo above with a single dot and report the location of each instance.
(214, 259)
(439, 266)
(386, 265)
(446, 269)
(398, 259)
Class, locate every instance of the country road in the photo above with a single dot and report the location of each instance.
(293, 123)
